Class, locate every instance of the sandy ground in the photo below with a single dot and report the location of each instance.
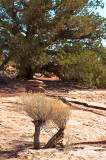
(85, 133)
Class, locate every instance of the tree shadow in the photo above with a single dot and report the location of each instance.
(13, 153)
(57, 85)
(15, 86)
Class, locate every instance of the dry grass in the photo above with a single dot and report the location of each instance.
(37, 106)
(61, 113)
(42, 108)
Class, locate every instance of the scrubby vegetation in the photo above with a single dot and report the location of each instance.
(43, 109)
(77, 65)
(32, 33)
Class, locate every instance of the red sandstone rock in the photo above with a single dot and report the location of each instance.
(35, 82)
(34, 89)
(36, 85)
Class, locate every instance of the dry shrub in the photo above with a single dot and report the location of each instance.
(43, 109)
(61, 113)
(37, 106)
(40, 107)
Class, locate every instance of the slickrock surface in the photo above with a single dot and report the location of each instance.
(85, 134)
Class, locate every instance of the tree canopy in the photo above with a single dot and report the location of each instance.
(33, 31)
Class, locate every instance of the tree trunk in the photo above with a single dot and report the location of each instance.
(29, 73)
(25, 72)
(52, 142)
(36, 136)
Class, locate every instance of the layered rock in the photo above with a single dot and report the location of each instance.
(35, 86)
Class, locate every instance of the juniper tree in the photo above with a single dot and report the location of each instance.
(31, 30)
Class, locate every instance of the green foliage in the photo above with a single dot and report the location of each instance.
(30, 28)
(88, 68)
(102, 79)
(101, 53)
(83, 67)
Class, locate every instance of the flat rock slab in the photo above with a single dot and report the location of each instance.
(36, 82)
(36, 85)
(34, 89)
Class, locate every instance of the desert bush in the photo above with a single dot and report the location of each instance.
(60, 116)
(37, 106)
(43, 109)
(88, 69)
(102, 79)
(61, 113)
(82, 67)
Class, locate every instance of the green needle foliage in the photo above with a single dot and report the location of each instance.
(33, 31)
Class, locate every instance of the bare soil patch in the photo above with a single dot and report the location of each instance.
(85, 134)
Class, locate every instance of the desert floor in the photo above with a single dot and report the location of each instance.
(85, 133)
